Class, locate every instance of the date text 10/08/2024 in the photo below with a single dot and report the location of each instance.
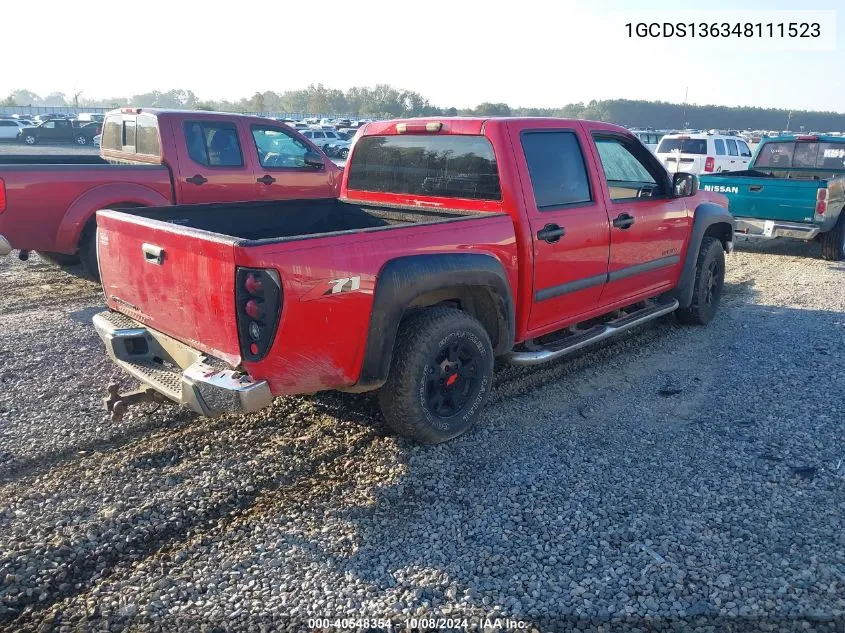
(423, 623)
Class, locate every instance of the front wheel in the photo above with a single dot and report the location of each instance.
(440, 375)
(343, 153)
(833, 242)
(709, 281)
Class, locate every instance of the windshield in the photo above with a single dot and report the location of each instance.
(684, 145)
(449, 166)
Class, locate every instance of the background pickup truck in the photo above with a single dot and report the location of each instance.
(59, 131)
(794, 187)
(454, 241)
(154, 158)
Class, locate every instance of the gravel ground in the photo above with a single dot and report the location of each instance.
(677, 478)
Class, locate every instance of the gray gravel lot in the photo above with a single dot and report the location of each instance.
(677, 478)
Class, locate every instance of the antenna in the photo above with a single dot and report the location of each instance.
(686, 96)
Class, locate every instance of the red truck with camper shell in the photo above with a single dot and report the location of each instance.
(454, 241)
(151, 158)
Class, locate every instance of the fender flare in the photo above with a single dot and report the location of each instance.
(101, 197)
(403, 280)
(708, 219)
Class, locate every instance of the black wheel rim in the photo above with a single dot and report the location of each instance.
(713, 283)
(453, 377)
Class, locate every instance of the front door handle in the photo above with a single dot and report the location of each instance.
(197, 180)
(623, 221)
(755, 187)
(266, 179)
(551, 233)
(152, 254)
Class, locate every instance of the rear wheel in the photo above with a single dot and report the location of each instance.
(440, 375)
(343, 153)
(81, 140)
(833, 242)
(709, 280)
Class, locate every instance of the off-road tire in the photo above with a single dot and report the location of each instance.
(709, 281)
(59, 259)
(833, 242)
(412, 384)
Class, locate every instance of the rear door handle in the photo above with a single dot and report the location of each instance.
(551, 233)
(197, 180)
(266, 179)
(755, 187)
(623, 221)
(152, 254)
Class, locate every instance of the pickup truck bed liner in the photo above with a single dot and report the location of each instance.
(282, 220)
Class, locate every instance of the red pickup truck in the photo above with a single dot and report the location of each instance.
(454, 241)
(154, 158)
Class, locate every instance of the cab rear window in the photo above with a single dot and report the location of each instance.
(132, 134)
(802, 155)
(454, 166)
(684, 145)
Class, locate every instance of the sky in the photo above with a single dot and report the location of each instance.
(540, 53)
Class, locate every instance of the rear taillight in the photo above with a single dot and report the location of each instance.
(821, 202)
(709, 164)
(2, 195)
(258, 293)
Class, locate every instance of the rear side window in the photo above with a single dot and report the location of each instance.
(557, 169)
(684, 145)
(450, 166)
(213, 144)
(720, 147)
(119, 134)
(732, 150)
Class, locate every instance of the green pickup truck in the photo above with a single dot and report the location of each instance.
(794, 187)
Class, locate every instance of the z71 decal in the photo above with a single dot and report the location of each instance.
(343, 284)
(340, 285)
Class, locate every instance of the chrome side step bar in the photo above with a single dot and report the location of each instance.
(595, 334)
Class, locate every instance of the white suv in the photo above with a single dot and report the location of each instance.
(324, 138)
(703, 153)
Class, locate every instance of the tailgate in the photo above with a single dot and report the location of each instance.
(176, 280)
(766, 198)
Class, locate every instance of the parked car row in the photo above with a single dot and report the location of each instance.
(49, 130)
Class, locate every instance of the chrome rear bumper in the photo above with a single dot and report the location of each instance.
(754, 229)
(177, 371)
(5, 247)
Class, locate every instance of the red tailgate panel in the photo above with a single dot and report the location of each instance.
(190, 295)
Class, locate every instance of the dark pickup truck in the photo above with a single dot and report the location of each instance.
(154, 158)
(454, 241)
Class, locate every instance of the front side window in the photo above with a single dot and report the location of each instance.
(557, 169)
(449, 165)
(277, 149)
(627, 177)
(732, 150)
(720, 147)
(50, 125)
(213, 144)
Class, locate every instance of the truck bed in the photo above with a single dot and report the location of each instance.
(52, 159)
(285, 220)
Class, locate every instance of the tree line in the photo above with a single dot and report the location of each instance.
(385, 101)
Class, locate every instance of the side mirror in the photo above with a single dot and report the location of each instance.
(684, 184)
(313, 159)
